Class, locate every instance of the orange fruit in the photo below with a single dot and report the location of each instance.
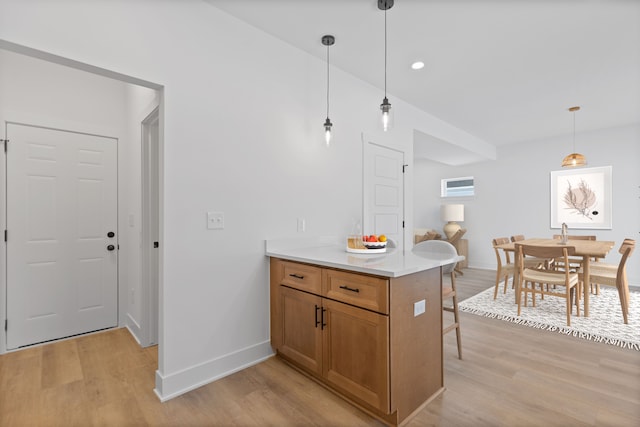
(382, 238)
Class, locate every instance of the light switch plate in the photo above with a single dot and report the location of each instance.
(215, 220)
(419, 308)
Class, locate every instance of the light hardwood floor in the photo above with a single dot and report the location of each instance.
(510, 376)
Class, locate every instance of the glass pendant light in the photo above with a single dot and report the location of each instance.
(574, 159)
(385, 107)
(328, 40)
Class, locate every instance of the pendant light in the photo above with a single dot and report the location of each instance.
(328, 40)
(385, 107)
(574, 159)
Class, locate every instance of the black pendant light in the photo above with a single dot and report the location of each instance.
(385, 107)
(328, 40)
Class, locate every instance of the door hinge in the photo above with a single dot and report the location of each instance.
(156, 244)
(5, 235)
(6, 322)
(402, 224)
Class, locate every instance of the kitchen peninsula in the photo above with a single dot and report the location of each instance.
(367, 326)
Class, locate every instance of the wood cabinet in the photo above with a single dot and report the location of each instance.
(358, 334)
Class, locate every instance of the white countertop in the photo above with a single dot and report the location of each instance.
(331, 252)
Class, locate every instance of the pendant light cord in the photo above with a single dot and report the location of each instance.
(385, 53)
(574, 131)
(328, 81)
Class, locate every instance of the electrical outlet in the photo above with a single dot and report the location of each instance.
(419, 308)
(215, 220)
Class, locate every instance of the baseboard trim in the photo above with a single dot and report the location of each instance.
(134, 328)
(181, 382)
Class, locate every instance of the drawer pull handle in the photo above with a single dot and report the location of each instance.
(297, 276)
(346, 288)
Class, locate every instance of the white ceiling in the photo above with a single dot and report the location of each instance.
(502, 70)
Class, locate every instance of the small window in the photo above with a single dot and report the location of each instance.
(457, 187)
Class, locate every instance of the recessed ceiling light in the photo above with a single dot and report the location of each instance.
(417, 65)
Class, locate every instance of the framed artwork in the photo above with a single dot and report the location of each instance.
(581, 198)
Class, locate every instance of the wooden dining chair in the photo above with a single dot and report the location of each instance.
(536, 281)
(574, 237)
(448, 291)
(504, 268)
(614, 275)
(575, 263)
(532, 262)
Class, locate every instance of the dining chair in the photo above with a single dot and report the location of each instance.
(504, 268)
(448, 292)
(532, 262)
(614, 275)
(529, 277)
(575, 263)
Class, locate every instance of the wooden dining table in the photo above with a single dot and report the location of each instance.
(587, 249)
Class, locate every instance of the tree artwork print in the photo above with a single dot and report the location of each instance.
(581, 198)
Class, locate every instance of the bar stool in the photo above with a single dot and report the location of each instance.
(448, 292)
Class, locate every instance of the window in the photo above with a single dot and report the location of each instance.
(457, 187)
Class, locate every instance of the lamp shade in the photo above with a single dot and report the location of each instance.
(573, 160)
(452, 212)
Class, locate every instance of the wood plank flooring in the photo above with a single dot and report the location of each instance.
(511, 376)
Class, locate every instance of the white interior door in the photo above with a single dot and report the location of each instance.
(383, 193)
(61, 210)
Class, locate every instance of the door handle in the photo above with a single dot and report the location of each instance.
(110, 247)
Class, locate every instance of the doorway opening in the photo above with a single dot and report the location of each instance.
(130, 201)
(150, 226)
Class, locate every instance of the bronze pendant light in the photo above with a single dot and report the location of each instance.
(574, 159)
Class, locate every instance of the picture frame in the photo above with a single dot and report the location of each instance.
(582, 198)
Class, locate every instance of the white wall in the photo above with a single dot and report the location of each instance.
(243, 116)
(512, 192)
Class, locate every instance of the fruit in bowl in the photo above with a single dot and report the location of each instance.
(374, 242)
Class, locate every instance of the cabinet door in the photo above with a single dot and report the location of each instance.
(301, 328)
(356, 353)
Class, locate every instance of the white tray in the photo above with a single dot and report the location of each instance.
(367, 251)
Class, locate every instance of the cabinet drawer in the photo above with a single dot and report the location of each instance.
(356, 289)
(303, 277)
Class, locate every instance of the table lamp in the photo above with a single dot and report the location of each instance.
(451, 214)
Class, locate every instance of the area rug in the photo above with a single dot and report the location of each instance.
(604, 323)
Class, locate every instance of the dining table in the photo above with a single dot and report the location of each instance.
(587, 249)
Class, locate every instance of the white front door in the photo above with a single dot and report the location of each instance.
(61, 209)
(383, 192)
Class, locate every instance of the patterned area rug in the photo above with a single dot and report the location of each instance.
(604, 323)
